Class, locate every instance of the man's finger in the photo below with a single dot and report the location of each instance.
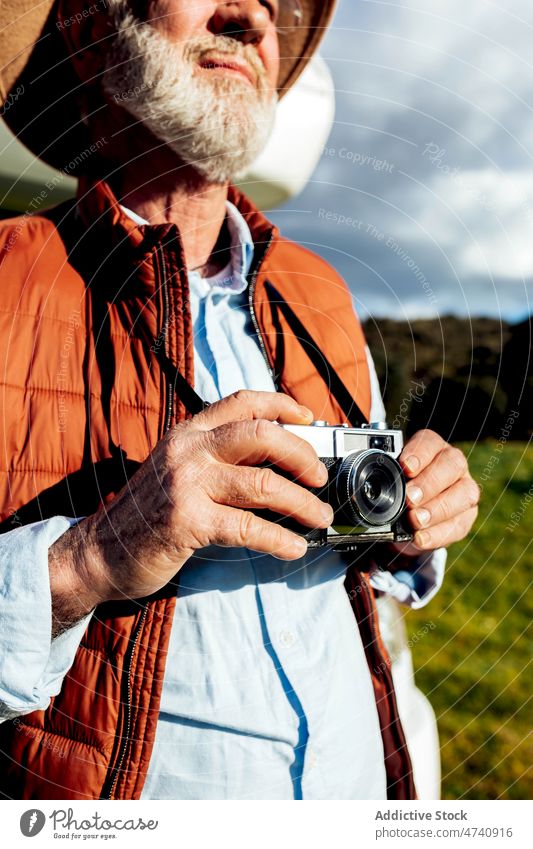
(260, 488)
(420, 451)
(444, 534)
(247, 405)
(245, 530)
(261, 441)
(456, 499)
(447, 467)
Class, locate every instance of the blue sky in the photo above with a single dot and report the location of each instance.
(430, 157)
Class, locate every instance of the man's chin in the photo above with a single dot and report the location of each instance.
(224, 147)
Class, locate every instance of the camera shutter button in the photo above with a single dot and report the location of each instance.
(311, 759)
(287, 639)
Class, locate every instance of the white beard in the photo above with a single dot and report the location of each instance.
(218, 126)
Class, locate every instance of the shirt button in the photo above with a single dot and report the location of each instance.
(286, 638)
(311, 759)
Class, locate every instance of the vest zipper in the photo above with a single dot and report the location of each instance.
(113, 778)
(166, 324)
(252, 280)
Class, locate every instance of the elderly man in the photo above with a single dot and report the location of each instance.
(161, 636)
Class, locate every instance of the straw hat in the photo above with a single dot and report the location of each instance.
(38, 85)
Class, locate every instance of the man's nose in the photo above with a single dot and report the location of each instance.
(245, 20)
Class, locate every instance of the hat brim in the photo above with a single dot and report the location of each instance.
(39, 88)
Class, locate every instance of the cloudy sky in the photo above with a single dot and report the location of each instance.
(430, 156)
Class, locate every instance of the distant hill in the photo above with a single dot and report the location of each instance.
(460, 377)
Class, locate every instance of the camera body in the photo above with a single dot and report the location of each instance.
(366, 485)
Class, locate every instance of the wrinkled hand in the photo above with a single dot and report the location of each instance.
(442, 496)
(200, 487)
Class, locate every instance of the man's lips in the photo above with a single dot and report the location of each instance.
(222, 63)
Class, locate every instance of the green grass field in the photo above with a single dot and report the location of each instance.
(475, 665)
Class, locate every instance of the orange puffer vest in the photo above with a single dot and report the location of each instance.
(88, 301)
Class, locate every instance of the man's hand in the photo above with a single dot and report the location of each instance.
(442, 496)
(198, 488)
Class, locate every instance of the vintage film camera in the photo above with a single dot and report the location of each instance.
(366, 486)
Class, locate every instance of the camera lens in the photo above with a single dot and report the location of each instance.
(371, 488)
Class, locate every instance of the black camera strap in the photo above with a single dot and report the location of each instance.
(335, 384)
(194, 403)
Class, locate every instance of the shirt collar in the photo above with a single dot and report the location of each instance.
(241, 249)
